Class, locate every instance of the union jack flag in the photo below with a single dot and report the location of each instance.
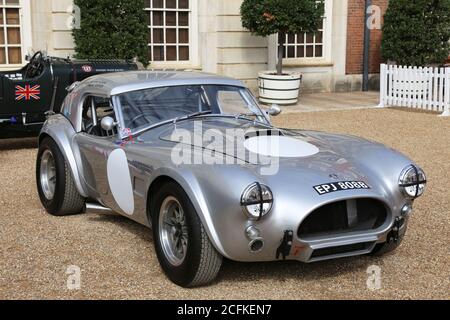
(28, 92)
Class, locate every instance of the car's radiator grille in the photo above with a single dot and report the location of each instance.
(343, 217)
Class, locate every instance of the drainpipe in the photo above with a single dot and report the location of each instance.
(366, 58)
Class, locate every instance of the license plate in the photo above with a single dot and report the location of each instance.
(340, 186)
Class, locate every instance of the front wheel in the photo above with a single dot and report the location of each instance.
(184, 250)
(56, 188)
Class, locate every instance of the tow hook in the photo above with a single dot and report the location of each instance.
(286, 244)
(393, 236)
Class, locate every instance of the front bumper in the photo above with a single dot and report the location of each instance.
(326, 248)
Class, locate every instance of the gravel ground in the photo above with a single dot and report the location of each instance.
(118, 261)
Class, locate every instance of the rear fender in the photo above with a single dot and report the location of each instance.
(61, 131)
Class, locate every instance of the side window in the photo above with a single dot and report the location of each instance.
(94, 110)
(235, 102)
(231, 102)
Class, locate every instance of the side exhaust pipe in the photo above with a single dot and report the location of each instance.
(97, 208)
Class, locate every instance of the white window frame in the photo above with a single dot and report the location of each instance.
(25, 32)
(193, 61)
(326, 46)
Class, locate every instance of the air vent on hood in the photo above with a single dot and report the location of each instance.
(263, 133)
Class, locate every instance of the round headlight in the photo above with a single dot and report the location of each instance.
(413, 181)
(257, 201)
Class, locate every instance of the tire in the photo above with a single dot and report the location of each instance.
(65, 200)
(201, 262)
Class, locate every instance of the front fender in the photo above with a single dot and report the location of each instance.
(216, 199)
(374, 159)
(190, 184)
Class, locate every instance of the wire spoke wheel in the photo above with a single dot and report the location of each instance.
(173, 231)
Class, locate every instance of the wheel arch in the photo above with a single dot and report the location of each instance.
(154, 186)
(62, 141)
(191, 186)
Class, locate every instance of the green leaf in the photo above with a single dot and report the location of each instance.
(416, 32)
(112, 29)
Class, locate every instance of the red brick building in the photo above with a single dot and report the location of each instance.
(355, 37)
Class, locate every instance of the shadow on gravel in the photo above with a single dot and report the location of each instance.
(133, 227)
(292, 270)
(232, 271)
(16, 144)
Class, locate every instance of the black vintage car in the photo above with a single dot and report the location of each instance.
(26, 95)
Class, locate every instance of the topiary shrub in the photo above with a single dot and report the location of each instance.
(111, 29)
(267, 17)
(416, 32)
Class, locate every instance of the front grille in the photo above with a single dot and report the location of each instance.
(343, 217)
(319, 253)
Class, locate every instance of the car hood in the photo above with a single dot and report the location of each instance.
(324, 154)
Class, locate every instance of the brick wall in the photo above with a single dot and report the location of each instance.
(355, 38)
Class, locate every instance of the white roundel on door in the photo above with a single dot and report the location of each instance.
(119, 180)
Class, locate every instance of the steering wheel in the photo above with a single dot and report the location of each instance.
(35, 65)
(89, 128)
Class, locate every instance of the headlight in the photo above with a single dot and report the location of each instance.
(412, 181)
(257, 201)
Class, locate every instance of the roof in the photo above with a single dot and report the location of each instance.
(121, 82)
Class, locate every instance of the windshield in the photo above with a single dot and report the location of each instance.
(144, 108)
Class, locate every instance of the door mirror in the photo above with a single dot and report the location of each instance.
(108, 124)
(274, 110)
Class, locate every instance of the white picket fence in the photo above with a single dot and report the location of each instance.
(413, 87)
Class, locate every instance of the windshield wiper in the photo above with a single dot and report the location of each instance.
(246, 115)
(191, 116)
(242, 117)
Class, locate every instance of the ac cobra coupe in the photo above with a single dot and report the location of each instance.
(196, 159)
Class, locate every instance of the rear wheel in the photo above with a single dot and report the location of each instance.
(56, 188)
(184, 250)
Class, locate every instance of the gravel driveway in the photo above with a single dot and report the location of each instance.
(117, 258)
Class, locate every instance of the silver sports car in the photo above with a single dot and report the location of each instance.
(194, 157)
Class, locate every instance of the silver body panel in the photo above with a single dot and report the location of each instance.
(215, 191)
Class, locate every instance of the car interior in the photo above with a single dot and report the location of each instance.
(94, 110)
(151, 106)
(32, 70)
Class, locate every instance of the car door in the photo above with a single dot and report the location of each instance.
(102, 172)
